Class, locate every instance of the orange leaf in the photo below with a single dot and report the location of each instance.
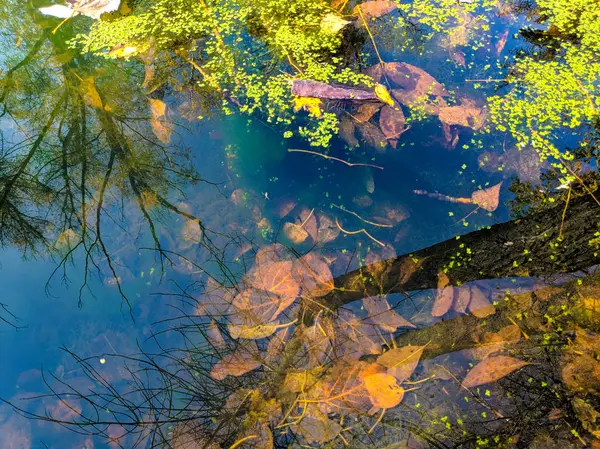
(161, 126)
(313, 275)
(491, 370)
(384, 391)
(489, 198)
(366, 111)
(375, 8)
(413, 79)
(391, 122)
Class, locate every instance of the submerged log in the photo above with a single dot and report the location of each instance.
(542, 244)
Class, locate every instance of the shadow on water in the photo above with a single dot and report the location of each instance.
(185, 283)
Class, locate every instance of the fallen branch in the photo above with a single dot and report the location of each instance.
(349, 164)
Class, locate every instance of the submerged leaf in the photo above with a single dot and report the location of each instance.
(313, 275)
(466, 115)
(480, 306)
(375, 8)
(295, 233)
(401, 362)
(488, 199)
(366, 111)
(413, 79)
(88, 91)
(382, 314)
(161, 126)
(491, 370)
(391, 122)
(384, 391)
(317, 429)
(238, 363)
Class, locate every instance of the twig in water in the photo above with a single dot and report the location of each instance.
(364, 231)
(562, 222)
(361, 218)
(349, 164)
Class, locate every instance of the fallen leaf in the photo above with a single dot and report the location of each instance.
(413, 79)
(444, 296)
(309, 88)
(274, 277)
(384, 94)
(366, 111)
(328, 231)
(332, 23)
(467, 115)
(480, 306)
(286, 207)
(310, 104)
(313, 275)
(317, 430)
(502, 42)
(462, 299)
(384, 391)
(238, 363)
(253, 332)
(491, 370)
(214, 336)
(391, 122)
(488, 199)
(374, 9)
(295, 233)
(372, 135)
(347, 131)
(401, 362)
(382, 314)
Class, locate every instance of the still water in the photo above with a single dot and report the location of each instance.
(170, 281)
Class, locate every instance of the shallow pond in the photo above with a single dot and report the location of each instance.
(174, 275)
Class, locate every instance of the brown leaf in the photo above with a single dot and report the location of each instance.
(274, 277)
(401, 362)
(384, 391)
(391, 122)
(313, 275)
(444, 295)
(374, 9)
(328, 231)
(480, 306)
(372, 136)
(491, 370)
(317, 89)
(214, 336)
(467, 115)
(253, 332)
(308, 221)
(295, 233)
(317, 430)
(238, 363)
(462, 299)
(285, 207)
(347, 131)
(488, 199)
(501, 42)
(381, 314)
(366, 111)
(413, 79)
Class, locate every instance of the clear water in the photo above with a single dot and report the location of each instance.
(233, 153)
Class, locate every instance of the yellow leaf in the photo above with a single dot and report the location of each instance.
(123, 51)
(384, 391)
(332, 23)
(384, 95)
(310, 104)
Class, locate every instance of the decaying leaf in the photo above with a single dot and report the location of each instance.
(214, 336)
(384, 391)
(238, 363)
(274, 277)
(462, 299)
(313, 275)
(382, 314)
(488, 199)
(444, 296)
(491, 370)
(347, 131)
(401, 362)
(309, 88)
(466, 114)
(328, 231)
(332, 23)
(480, 306)
(295, 233)
(413, 79)
(372, 135)
(317, 429)
(375, 8)
(366, 111)
(253, 332)
(310, 104)
(391, 122)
